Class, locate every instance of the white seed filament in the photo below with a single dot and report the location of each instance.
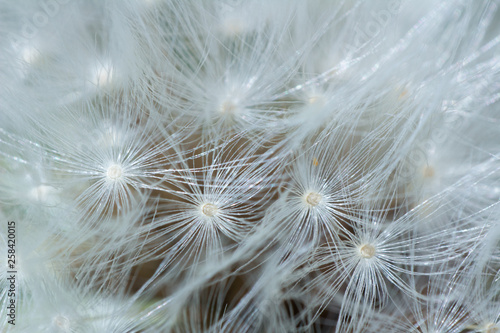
(367, 251)
(209, 209)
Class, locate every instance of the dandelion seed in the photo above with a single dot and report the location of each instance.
(229, 107)
(229, 110)
(367, 251)
(114, 172)
(209, 209)
(227, 194)
(62, 322)
(312, 198)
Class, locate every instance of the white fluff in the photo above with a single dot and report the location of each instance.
(251, 166)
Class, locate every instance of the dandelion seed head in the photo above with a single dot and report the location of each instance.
(367, 251)
(312, 198)
(206, 161)
(114, 172)
(209, 209)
